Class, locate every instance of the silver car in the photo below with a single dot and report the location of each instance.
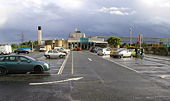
(54, 54)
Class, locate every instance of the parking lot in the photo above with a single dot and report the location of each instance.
(156, 68)
(88, 77)
(55, 65)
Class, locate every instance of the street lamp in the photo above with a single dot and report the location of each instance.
(131, 29)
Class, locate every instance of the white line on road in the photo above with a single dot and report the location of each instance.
(72, 68)
(62, 66)
(120, 65)
(123, 66)
(53, 82)
(90, 59)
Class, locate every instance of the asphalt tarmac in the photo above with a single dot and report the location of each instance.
(83, 76)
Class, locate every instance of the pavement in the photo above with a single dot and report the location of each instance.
(84, 76)
(105, 80)
(158, 57)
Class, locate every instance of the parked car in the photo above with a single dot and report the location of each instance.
(96, 49)
(22, 50)
(42, 49)
(54, 54)
(122, 53)
(115, 50)
(77, 49)
(21, 64)
(61, 49)
(5, 49)
(104, 51)
(133, 51)
(92, 49)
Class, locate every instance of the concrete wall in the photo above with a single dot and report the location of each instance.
(61, 43)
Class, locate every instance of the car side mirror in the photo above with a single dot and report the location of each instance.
(29, 61)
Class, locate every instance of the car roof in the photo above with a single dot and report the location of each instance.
(10, 55)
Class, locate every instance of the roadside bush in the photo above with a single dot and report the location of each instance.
(148, 50)
(155, 50)
(160, 50)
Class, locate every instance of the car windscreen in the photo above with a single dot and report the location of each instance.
(30, 58)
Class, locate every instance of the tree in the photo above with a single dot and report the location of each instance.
(114, 41)
(14, 46)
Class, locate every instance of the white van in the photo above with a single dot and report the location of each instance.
(5, 49)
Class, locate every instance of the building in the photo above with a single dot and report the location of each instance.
(50, 44)
(78, 39)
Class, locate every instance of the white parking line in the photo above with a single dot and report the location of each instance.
(120, 64)
(53, 82)
(164, 76)
(62, 66)
(123, 66)
(90, 59)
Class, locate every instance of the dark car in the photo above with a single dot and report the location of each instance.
(77, 49)
(18, 51)
(21, 64)
(92, 49)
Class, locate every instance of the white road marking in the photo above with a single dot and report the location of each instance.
(62, 66)
(123, 66)
(164, 76)
(53, 82)
(72, 68)
(120, 64)
(90, 59)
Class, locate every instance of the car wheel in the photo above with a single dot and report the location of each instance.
(48, 56)
(38, 69)
(3, 71)
(131, 56)
(121, 56)
(27, 52)
(61, 56)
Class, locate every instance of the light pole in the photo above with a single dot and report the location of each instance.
(131, 29)
(32, 46)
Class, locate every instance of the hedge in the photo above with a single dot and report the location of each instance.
(161, 50)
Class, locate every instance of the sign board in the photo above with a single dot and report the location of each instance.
(84, 40)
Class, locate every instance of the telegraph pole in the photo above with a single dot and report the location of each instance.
(22, 37)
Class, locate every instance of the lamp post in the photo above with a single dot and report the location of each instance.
(131, 29)
(32, 46)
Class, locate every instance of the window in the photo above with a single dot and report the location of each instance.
(1, 59)
(23, 59)
(12, 58)
(50, 51)
(55, 51)
(6, 59)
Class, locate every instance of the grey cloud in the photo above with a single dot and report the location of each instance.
(58, 22)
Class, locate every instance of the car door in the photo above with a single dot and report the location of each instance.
(11, 63)
(2, 62)
(50, 53)
(25, 64)
(56, 54)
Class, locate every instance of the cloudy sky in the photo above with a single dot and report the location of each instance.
(58, 18)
